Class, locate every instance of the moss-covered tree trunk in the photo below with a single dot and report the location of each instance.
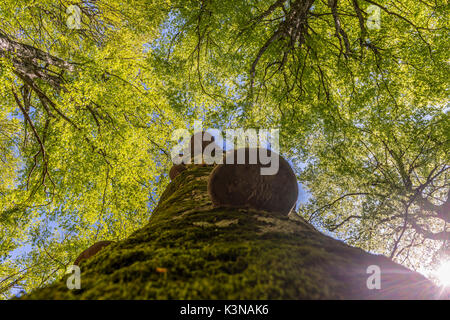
(190, 250)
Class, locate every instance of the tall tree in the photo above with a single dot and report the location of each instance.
(191, 249)
(90, 97)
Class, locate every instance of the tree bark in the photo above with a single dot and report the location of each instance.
(192, 250)
(31, 63)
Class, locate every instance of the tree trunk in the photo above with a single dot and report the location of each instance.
(191, 250)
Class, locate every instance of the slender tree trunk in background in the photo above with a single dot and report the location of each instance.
(190, 250)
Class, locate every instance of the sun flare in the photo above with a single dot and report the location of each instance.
(443, 274)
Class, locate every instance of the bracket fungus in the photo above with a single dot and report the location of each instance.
(242, 185)
(176, 170)
(260, 178)
(92, 251)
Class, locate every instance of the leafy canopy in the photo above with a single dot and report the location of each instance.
(87, 114)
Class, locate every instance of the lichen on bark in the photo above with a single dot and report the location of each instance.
(192, 250)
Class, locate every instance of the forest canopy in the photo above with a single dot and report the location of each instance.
(91, 92)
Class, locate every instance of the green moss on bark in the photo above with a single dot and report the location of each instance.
(217, 253)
